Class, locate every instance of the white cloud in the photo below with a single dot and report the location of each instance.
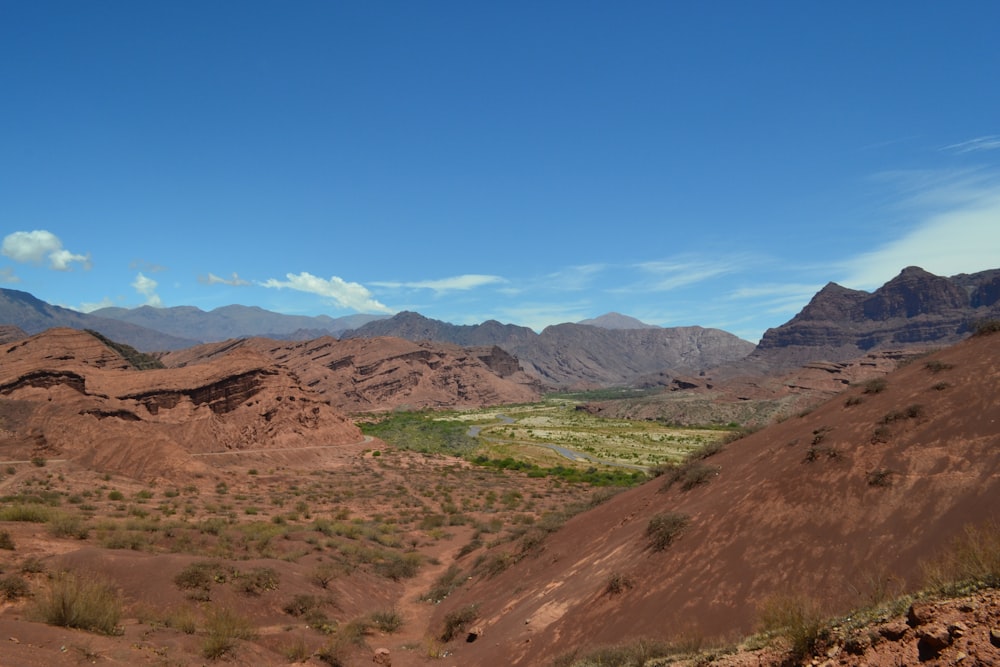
(33, 247)
(537, 316)
(147, 287)
(212, 279)
(91, 306)
(463, 282)
(672, 274)
(343, 293)
(7, 276)
(957, 230)
(989, 142)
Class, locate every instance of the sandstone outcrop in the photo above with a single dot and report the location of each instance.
(65, 394)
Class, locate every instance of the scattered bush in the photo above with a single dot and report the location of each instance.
(880, 477)
(31, 513)
(13, 587)
(941, 386)
(690, 474)
(256, 581)
(853, 400)
(971, 561)
(798, 620)
(914, 411)
(223, 627)
(875, 386)
(6, 541)
(116, 495)
(79, 601)
(664, 528)
(456, 621)
(985, 327)
(69, 526)
(324, 573)
(443, 586)
(389, 620)
(817, 452)
(618, 583)
(633, 654)
(936, 366)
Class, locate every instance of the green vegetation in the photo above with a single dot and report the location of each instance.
(423, 431)
(223, 627)
(80, 601)
(798, 620)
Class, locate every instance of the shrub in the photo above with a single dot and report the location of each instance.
(13, 587)
(881, 477)
(223, 627)
(445, 584)
(798, 620)
(971, 561)
(399, 567)
(300, 605)
(6, 541)
(690, 474)
(985, 327)
(387, 620)
(78, 601)
(853, 400)
(875, 386)
(936, 366)
(618, 583)
(116, 495)
(69, 526)
(26, 512)
(456, 621)
(257, 580)
(324, 573)
(664, 528)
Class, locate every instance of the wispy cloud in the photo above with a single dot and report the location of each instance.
(148, 267)
(36, 246)
(672, 274)
(956, 230)
(212, 279)
(91, 306)
(8, 277)
(455, 283)
(147, 287)
(343, 293)
(990, 142)
(537, 316)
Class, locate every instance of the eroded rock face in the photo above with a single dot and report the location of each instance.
(914, 308)
(379, 374)
(64, 393)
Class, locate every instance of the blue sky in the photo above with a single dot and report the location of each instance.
(710, 163)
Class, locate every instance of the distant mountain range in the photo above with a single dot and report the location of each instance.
(916, 308)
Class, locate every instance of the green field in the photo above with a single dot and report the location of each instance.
(530, 433)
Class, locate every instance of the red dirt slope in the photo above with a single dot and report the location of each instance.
(864, 487)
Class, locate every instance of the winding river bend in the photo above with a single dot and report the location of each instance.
(565, 452)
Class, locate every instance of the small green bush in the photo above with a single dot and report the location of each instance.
(985, 327)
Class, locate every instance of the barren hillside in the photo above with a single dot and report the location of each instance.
(826, 504)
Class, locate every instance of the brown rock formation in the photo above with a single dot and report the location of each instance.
(64, 394)
(380, 374)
